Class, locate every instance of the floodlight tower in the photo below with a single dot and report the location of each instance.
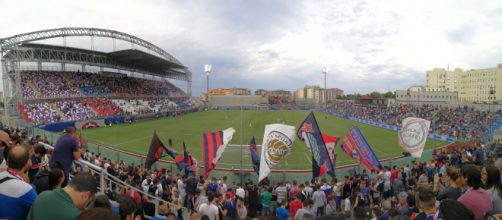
(207, 69)
(324, 71)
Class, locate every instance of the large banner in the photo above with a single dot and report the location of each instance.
(277, 142)
(413, 135)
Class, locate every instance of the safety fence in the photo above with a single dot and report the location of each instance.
(233, 172)
(109, 182)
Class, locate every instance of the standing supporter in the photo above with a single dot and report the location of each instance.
(282, 193)
(320, 200)
(363, 200)
(475, 198)
(452, 209)
(426, 203)
(242, 212)
(307, 206)
(76, 196)
(282, 211)
(266, 199)
(331, 206)
(209, 209)
(493, 187)
(16, 195)
(230, 206)
(452, 189)
(66, 150)
(4, 142)
(295, 205)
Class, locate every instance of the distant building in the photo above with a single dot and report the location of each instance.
(425, 95)
(229, 91)
(475, 85)
(314, 94)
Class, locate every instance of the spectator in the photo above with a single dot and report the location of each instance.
(493, 187)
(49, 179)
(102, 201)
(282, 211)
(452, 209)
(4, 142)
(66, 150)
(452, 190)
(230, 206)
(305, 210)
(266, 199)
(76, 196)
(426, 203)
(16, 194)
(320, 200)
(476, 199)
(209, 209)
(241, 209)
(97, 213)
(295, 205)
(127, 208)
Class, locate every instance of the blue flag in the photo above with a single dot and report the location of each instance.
(309, 132)
(254, 156)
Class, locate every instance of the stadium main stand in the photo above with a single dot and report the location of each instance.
(73, 96)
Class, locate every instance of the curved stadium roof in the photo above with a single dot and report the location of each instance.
(163, 64)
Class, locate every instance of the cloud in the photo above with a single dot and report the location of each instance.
(366, 45)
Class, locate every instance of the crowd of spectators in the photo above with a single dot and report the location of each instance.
(41, 112)
(75, 110)
(460, 122)
(461, 184)
(79, 84)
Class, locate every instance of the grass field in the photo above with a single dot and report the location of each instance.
(189, 128)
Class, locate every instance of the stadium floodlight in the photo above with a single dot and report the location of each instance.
(207, 69)
(324, 70)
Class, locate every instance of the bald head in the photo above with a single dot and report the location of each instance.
(18, 157)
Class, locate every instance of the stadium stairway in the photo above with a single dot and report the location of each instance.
(81, 94)
(89, 103)
(60, 113)
(34, 88)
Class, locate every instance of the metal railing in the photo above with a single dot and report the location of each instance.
(106, 181)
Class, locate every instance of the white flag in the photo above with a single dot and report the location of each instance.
(277, 142)
(413, 135)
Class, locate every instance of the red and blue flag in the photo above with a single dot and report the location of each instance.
(356, 146)
(213, 145)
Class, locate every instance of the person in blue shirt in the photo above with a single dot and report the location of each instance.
(282, 211)
(66, 150)
(16, 195)
(230, 205)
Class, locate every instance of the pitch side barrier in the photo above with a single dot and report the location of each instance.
(233, 172)
(109, 182)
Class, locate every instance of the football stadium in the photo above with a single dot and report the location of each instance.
(118, 132)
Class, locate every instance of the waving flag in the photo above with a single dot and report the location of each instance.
(213, 146)
(277, 142)
(358, 144)
(185, 161)
(330, 142)
(349, 149)
(312, 136)
(413, 135)
(155, 151)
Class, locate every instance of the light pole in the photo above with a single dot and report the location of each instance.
(207, 69)
(324, 71)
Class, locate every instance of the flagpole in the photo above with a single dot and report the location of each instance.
(242, 153)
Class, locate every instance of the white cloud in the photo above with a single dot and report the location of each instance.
(367, 45)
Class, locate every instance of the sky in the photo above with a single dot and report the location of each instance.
(283, 44)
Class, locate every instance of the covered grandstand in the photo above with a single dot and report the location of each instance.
(125, 82)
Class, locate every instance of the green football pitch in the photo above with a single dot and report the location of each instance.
(189, 128)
